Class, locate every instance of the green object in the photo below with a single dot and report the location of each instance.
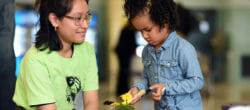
(50, 78)
(124, 107)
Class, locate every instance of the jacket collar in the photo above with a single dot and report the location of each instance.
(167, 43)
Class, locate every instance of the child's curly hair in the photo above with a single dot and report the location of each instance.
(161, 11)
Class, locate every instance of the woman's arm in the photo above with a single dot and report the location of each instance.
(90, 99)
(47, 107)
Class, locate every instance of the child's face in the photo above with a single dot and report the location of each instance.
(151, 32)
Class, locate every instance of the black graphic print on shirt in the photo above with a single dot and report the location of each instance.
(74, 86)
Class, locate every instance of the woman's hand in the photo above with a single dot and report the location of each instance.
(133, 91)
(156, 96)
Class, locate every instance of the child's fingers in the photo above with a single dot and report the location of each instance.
(155, 86)
(135, 100)
(158, 91)
(133, 91)
(156, 98)
(156, 94)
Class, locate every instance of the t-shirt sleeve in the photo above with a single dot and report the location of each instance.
(37, 82)
(91, 75)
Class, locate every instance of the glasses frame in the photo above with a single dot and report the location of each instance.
(79, 20)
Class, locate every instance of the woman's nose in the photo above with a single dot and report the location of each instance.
(84, 24)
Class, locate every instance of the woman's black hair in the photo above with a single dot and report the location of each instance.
(161, 11)
(46, 37)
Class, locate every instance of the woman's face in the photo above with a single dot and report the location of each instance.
(151, 32)
(68, 30)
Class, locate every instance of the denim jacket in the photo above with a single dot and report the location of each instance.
(175, 65)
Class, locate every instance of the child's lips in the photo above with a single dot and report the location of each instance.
(149, 41)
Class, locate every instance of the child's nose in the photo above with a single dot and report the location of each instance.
(145, 35)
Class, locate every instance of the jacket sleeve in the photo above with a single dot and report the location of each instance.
(143, 84)
(190, 67)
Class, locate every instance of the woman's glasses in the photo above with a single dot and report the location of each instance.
(80, 20)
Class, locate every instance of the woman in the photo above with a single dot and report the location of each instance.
(61, 64)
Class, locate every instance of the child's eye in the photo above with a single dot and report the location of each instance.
(147, 29)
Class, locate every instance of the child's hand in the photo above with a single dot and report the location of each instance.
(158, 94)
(133, 91)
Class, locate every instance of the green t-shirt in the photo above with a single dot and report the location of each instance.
(46, 78)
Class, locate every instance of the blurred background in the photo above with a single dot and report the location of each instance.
(219, 30)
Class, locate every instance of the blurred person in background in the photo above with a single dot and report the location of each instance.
(125, 50)
(7, 56)
(61, 64)
(171, 69)
(186, 22)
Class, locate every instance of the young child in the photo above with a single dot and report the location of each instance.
(171, 69)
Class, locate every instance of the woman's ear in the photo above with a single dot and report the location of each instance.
(53, 19)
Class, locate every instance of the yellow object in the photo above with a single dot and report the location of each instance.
(126, 98)
(115, 104)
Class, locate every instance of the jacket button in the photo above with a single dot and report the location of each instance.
(169, 64)
(155, 77)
